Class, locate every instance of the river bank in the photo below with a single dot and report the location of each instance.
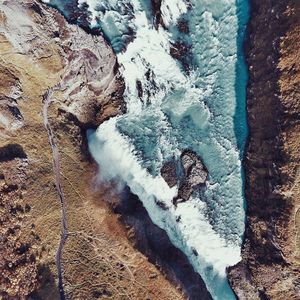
(270, 265)
(40, 50)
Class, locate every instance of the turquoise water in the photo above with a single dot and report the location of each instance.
(199, 106)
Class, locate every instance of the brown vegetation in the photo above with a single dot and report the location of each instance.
(39, 50)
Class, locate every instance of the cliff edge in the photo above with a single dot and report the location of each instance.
(271, 257)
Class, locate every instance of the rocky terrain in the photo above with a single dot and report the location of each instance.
(63, 237)
(59, 236)
(188, 173)
(271, 257)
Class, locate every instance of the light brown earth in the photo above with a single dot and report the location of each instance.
(39, 50)
(270, 268)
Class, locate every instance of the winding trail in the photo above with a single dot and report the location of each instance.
(56, 169)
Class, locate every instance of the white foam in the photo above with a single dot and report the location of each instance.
(177, 112)
(118, 160)
(172, 10)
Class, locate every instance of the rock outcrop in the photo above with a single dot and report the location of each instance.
(188, 173)
(271, 257)
(43, 58)
(194, 174)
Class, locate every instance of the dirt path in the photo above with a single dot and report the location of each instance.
(56, 169)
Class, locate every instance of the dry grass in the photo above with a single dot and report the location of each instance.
(98, 260)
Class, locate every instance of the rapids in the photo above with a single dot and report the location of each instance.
(196, 102)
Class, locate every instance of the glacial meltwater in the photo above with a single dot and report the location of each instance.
(185, 80)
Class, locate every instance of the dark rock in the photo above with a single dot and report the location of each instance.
(157, 20)
(181, 51)
(15, 112)
(272, 53)
(188, 173)
(168, 172)
(183, 26)
(194, 169)
(139, 88)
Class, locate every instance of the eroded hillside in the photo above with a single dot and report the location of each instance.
(44, 61)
